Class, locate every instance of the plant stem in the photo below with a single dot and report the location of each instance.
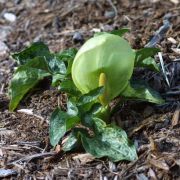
(104, 114)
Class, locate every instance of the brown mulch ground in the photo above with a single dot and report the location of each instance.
(24, 143)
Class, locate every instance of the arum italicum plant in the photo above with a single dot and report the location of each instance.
(107, 60)
(92, 77)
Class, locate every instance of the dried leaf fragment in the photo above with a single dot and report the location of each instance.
(161, 164)
(84, 158)
(176, 117)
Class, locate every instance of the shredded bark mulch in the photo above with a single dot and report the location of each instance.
(25, 151)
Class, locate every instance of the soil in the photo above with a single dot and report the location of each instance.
(24, 142)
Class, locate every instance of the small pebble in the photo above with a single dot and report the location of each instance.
(3, 49)
(78, 37)
(10, 17)
(7, 172)
(109, 14)
(37, 38)
(4, 32)
(107, 28)
(112, 166)
(17, 1)
(175, 1)
(95, 30)
(172, 40)
(99, 166)
(105, 178)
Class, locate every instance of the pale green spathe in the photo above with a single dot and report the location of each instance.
(108, 54)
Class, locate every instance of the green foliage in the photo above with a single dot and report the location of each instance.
(144, 58)
(71, 143)
(120, 32)
(149, 63)
(36, 63)
(144, 53)
(70, 118)
(72, 109)
(35, 50)
(25, 78)
(57, 126)
(100, 71)
(62, 121)
(141, 91)
(67, 56)
(69, 87)
(56, 65)
(91, 96)
(109, 141)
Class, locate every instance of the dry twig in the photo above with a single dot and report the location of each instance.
(114, 7)
(29, 158)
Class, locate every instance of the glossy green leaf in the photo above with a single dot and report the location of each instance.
(72, 109)
(37, 63)
(57, 127)
(71, 143)
(86, 120)
(104, 113)
(36, 49)
(120, 32)
(56, 79)
(69, 66)
(144, 58)
(69, 87)
(56, 66)
(86, 101)
(109, 141)
(91, 96)
(141, 91)
(25, 78)
(72, 112)
(145, 53)
(67, 55)
(72, 122)
(95, 110)
(149, 63)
